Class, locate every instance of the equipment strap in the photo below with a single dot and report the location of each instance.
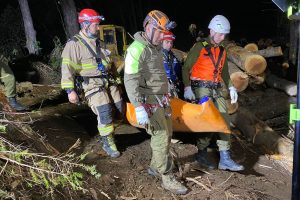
(216, 64)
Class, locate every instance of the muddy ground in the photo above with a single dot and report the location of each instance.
(126, 177)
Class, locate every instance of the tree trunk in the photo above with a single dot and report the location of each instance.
(288, 87)
(70, 17)
(31, 42)
(239, 79)
(270, 52)
(250, 62)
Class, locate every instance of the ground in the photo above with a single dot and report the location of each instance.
(126, 177)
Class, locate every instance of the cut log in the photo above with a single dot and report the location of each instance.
(288, 87)
(231, 108)
(270, 52)
(249, 62)
(251, 47)
(239, 79)
(260, 133)
(257, 79)
(180, 55)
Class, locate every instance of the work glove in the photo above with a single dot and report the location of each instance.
(233, 95)
(188, 93)
(141, 116)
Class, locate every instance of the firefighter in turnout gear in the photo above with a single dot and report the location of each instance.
(84, 58)
(146, 85)
(205, 67)
(172, 65)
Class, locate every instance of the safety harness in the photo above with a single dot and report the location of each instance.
(107, 77)
(216, 63)
(207, 47)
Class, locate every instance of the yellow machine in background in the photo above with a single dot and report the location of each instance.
(115, 40)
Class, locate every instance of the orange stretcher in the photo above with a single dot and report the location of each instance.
(189, 117)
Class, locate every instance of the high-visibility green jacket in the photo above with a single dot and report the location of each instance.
(144, 70)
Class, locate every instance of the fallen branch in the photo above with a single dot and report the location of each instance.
(198, 183)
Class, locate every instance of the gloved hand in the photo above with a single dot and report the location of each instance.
(233, 95)
(141, 116)
(188, 93)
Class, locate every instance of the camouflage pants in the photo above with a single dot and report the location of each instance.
(8, 78)
(217, 97)
(160, 129)
(101, 104)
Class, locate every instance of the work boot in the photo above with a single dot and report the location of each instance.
(170, 183)
(15, 105)
(202, 159)
(227, 163)
(109, 146)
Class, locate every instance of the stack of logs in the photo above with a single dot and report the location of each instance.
(248, 65)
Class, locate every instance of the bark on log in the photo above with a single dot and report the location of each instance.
(251, 47)
(270, 52)
(250, 62)
(259, 133)
(239, 79)
(288, 87)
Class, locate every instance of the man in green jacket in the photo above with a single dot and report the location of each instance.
(203, 72)
(146, 85)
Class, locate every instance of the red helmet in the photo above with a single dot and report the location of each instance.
(89, 15)
(169, 36)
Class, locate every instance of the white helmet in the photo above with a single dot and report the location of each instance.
(219, 24)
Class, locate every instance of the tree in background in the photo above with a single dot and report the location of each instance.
(31, 42)
(70, 17)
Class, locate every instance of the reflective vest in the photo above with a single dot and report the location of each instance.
(209, 64)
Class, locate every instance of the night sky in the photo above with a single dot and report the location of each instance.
(251, 20)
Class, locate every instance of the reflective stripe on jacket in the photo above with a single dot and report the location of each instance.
(77, 60)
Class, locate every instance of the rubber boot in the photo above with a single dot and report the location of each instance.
(202, 159)
(227, 163)
(15, 105)
(170, 183)
(109, 146)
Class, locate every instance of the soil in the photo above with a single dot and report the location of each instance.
(126, 177)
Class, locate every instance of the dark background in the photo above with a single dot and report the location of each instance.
(250, 20)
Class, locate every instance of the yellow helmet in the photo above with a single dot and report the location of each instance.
(159, 20)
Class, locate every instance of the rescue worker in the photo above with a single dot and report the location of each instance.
(171, 64)
(85, 58)
(205, 67)
(8, 78)
(146, 85)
